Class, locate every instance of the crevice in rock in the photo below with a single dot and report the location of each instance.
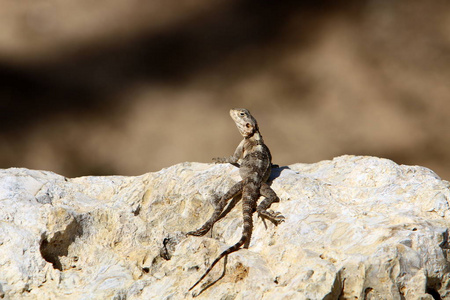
(433, 287)
(434, 293)
(2, 293)
(444, 244)
(165, 249)
(58, 245)
(169, 244)
(367, 292)
(137, 211)
(337, 289)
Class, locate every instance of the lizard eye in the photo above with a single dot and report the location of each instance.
(242, 114)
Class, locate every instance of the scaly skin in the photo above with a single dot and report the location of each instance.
(255, 167)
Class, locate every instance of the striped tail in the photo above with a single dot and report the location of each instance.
(245, 239)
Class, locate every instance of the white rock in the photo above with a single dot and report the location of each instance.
(356, 228)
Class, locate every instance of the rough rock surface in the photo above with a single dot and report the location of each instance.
(356, 227)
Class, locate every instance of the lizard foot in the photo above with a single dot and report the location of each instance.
(219, 160)
(273, 216)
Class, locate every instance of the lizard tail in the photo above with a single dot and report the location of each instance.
(246, 235)
(232, 249)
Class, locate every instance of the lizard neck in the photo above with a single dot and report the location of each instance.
(256, 137)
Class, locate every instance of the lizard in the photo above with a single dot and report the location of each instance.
(255, 164)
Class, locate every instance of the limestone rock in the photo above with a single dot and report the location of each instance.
(356, 228)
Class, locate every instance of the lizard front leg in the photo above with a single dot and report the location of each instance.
(262, 209)
(233, 159)
(235, 189)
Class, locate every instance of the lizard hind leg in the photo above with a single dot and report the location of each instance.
(217, 214)
(263, 208)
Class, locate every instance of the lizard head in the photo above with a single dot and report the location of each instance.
(245, 122)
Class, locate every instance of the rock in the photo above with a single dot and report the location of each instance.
(356, 227)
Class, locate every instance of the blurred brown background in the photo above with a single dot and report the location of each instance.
(127, 87)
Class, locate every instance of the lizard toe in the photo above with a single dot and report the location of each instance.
(275, 217)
